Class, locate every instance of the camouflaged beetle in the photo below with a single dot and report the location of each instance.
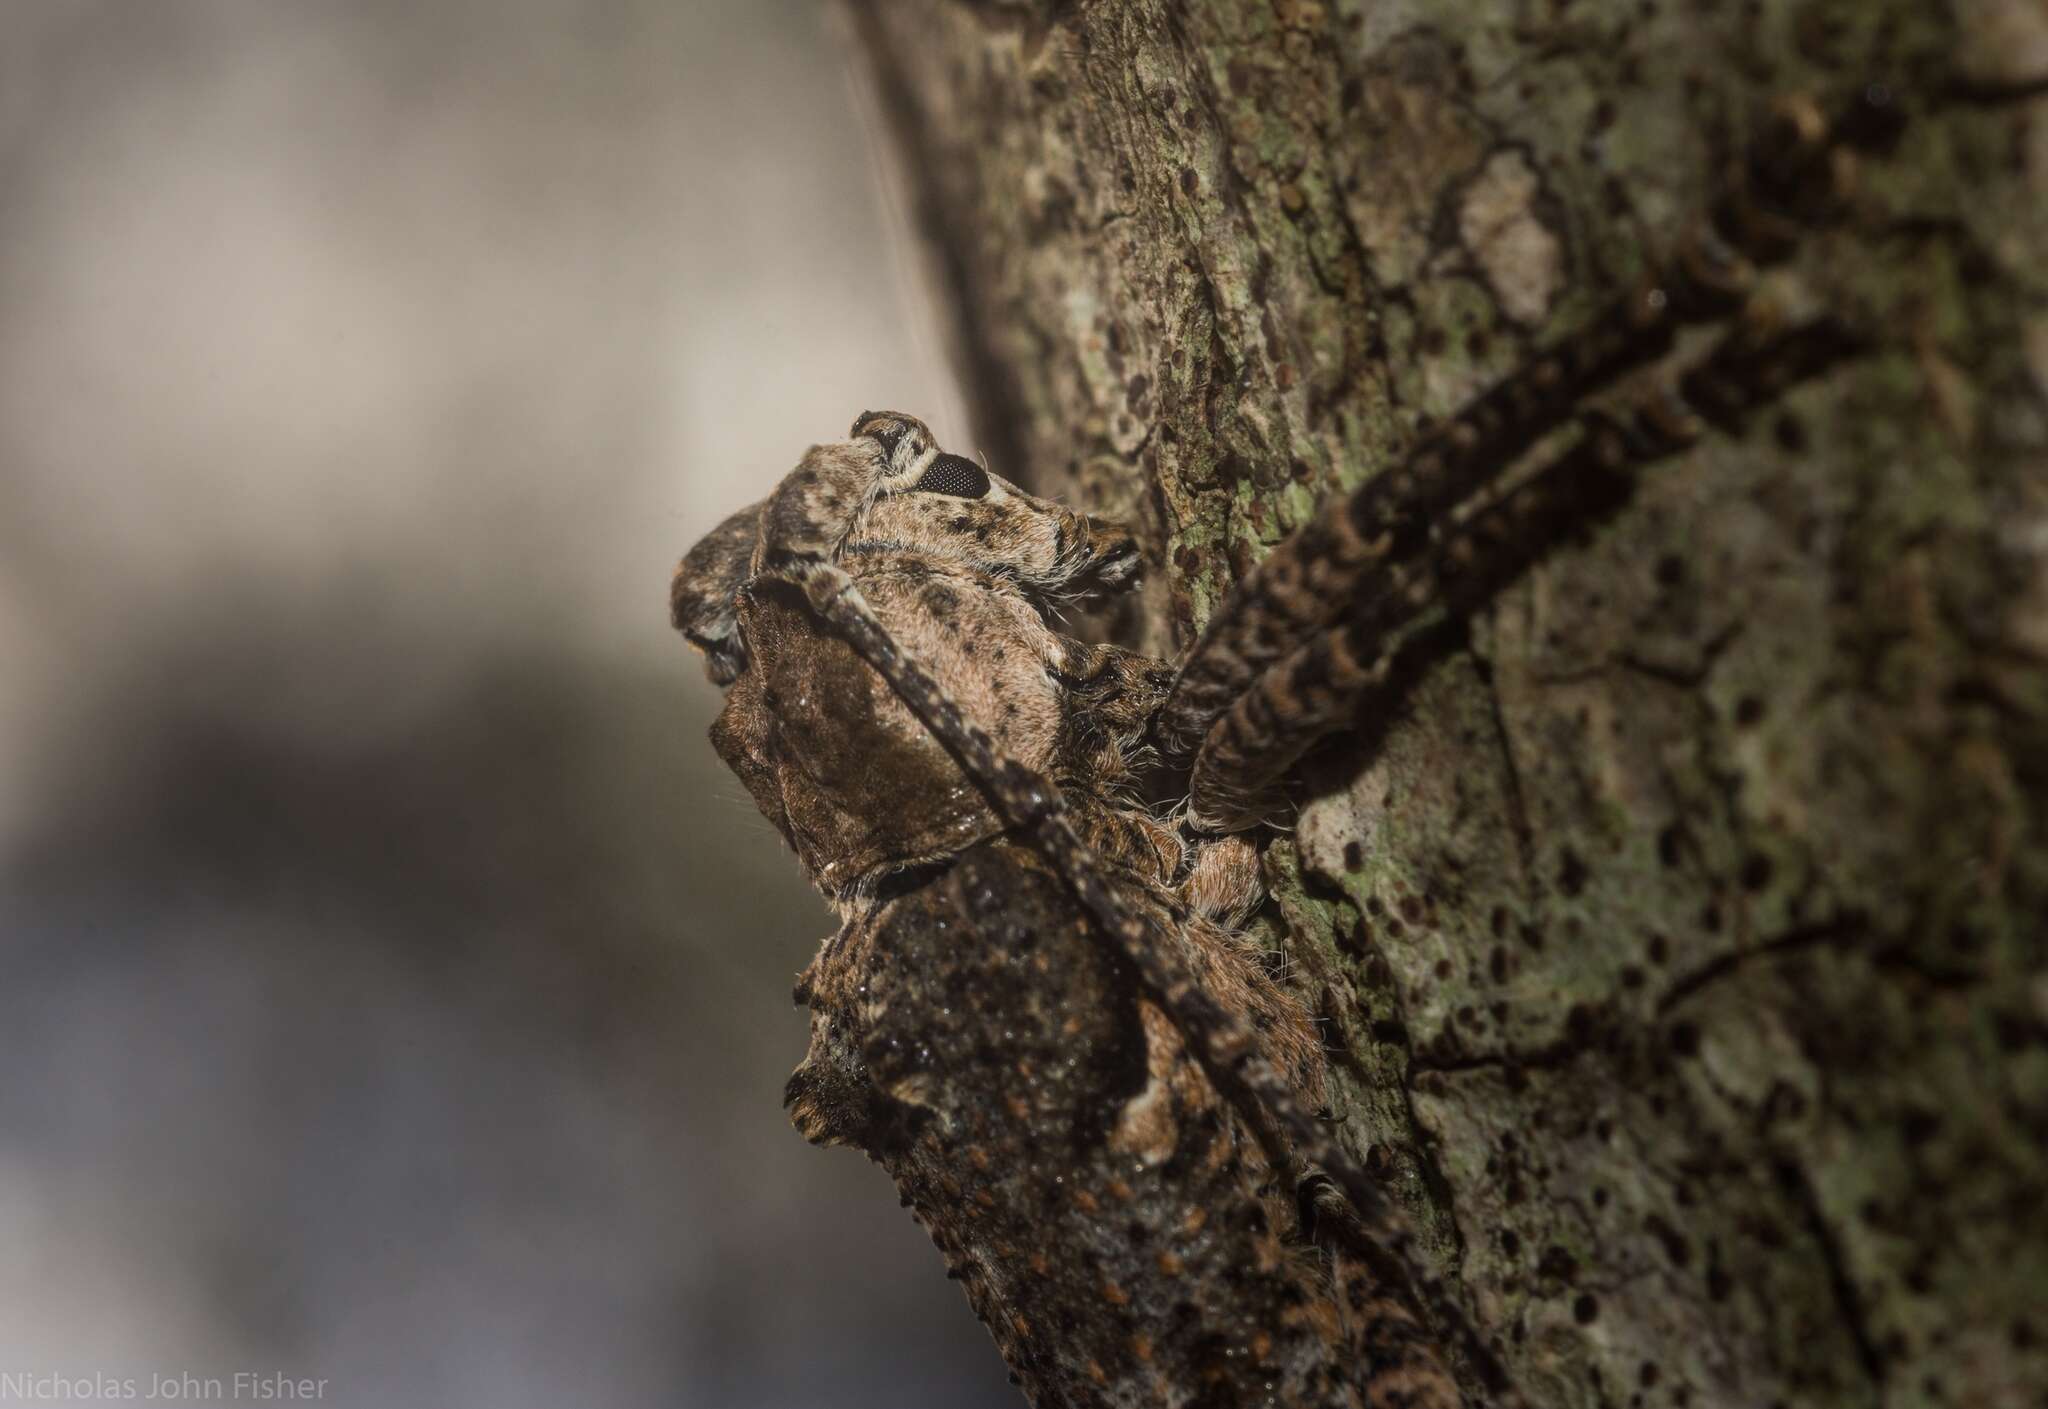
(1032, 1093)
(1040, 1012)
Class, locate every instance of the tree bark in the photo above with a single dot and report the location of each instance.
(1680, 940)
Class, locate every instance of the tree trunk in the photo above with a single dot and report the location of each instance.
(1679, 941)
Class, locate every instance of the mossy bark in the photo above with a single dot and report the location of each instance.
(1682, 940)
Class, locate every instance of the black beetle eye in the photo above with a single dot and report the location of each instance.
(955, 475)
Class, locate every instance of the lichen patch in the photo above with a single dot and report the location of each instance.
(1499, 225)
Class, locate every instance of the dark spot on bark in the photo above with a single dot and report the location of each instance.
(1631, 976)
(1756, 872)
(1354, 856)
(1586, 1309)
(1685, 1039)
(1674, 1243)
(1919, 1125)
(1660, 949)
(1571, 873)
(1719, 1284)
(1648, 1375)
(1670, 570)
(1497, 964)
(1557, 1264)
(1510, 1242)
(1748, 710)
(1667, 845)
(1388, 1031)
(1532, 937)
(1790, 433)
(1189, 182)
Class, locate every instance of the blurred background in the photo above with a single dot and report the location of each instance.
(394, 987)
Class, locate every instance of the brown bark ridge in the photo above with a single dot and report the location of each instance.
(1680, 937)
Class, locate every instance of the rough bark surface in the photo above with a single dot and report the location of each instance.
(1680, 942)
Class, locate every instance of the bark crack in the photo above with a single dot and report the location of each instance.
(1518, 804)
(1799, 1185)
(1836, 931)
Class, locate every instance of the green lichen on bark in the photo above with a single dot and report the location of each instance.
(1682, 935)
